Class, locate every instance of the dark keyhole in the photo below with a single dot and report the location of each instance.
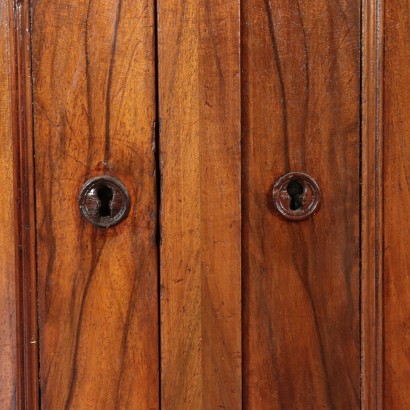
(295, 190)
(105, 195)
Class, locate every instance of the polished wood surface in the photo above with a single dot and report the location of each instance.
(300, 112)
(18, 297)
(199, 108)
(8, 257)
(371, 207)
(396, 214)
(204, 297)
(94, 114)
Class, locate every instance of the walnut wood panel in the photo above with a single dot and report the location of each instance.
(18, 334)
(199, 90)
(396, 215)
(8, 257)
(371, 209)
(94, 114)
(300, 105)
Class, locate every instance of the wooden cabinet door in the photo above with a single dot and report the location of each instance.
(252, 252)
(300, 110)
(94, 114)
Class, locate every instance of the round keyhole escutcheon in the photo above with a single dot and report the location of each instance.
(104, 201)
(296, 196)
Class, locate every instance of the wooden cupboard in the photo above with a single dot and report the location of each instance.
(214, 279)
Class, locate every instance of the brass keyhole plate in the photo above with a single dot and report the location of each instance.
(307, 197)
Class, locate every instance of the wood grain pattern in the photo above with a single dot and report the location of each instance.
(94, 113)
(396, 174)
(300, 104)
(8, 257)
(304, 284)
(371, 207)
(18, 299)
(25, 221)
(199, 90)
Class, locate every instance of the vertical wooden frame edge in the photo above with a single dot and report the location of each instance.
(158, 186)
(372, 206)
(26, 287)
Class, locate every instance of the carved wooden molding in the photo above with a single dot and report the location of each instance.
(26, 297)
(371, 206)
